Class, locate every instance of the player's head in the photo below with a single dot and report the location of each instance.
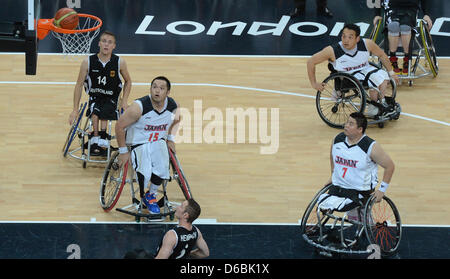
(159, 89)
(350, 35)
(188, 210)
(356, 124)
(107, 42)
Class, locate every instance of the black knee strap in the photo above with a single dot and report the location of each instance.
(156, 179)
(141, 180)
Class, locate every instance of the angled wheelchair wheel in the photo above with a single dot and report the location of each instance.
(429, 49)
(343, 94)
(383, 225)
(310, 224)
(113, 180)
(376, 34)
(73, 129)
(178, 175)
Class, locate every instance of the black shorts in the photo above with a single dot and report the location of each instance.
(404, 16)
(104, 107)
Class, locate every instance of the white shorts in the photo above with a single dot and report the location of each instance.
(375, 79)
(151, 157)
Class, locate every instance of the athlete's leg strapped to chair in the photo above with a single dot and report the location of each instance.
(341, 199)
(101, 109)
(151, 164)
(377, 81)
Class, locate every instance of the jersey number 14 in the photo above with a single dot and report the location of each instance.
(101, 80)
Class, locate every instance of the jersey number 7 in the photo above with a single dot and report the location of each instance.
(345, 171)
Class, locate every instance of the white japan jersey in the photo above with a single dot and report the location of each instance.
(353, 167)
(351, 60)
(152, 125)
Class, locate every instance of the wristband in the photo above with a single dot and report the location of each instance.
(391, 73)
(123, 150)
(171, 138)
(383, 186)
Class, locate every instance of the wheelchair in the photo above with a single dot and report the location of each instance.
(333, 233)
(82, 131)
(115, 177)
(344, 94)
(423, 59)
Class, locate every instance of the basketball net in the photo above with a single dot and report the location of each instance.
(74, 42)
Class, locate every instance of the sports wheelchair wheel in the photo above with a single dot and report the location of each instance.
(331, 232)
(73, 129)
(376, 33)
(383, 225)
(342, 95)
(430, 52)
(310, 228)
(178, 175)
(113, 180)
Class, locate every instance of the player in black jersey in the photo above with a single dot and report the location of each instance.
(401, 17)
(99, 73)
(179, 243)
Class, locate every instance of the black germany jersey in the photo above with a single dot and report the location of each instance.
(404, 5)
(185, 242)
(103, 80)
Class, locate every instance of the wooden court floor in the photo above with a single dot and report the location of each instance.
(232, 181)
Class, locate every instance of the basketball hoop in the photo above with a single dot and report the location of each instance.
(76, 41)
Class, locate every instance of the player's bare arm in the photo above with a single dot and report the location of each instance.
(78, 88)
(131, 115)
(168, 243)
(377, 51)
(173, 130)
(379, 156)
(326, 54)
(127, 83)
(331, 163)
(202, 250)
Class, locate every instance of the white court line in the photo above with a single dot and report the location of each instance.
(217, 85)
(196, 222)
(185, 55)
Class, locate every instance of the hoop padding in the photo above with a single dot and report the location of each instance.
(76, 41)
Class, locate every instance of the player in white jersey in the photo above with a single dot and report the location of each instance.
(354, 160)
(351, 55)
(151, 123)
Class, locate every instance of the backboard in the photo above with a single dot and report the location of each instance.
(19, 34)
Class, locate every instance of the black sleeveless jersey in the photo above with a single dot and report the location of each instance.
(403, 5)
(185, 242)
(103, 80)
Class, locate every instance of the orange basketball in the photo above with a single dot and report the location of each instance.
(66, 18)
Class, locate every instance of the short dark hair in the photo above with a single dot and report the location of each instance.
(106, 32)
(353, 27)
(162, 78)
(361, 120)
(193, 209)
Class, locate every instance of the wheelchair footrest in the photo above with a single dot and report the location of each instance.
(160, 216)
